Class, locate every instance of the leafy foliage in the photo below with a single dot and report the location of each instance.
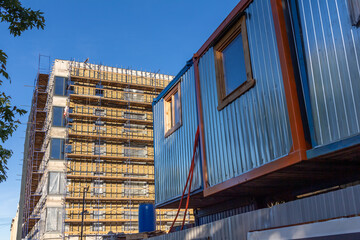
(8, 125)
(3, 58)
(20, 19)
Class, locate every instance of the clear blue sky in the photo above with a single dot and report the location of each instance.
(141, 34)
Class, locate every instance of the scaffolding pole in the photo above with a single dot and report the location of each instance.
(34, 152)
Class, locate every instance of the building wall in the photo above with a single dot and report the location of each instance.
(173, 154)
(55, 184)
(23, 181)
(254, 129)
(332, 55)
(116, 185)
(14, 226)
(50, 206)
(118, 172)
(110, 149)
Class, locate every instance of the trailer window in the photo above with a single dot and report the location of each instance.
(172, 105)
(232, 64)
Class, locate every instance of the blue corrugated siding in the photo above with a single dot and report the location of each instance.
(332, 52)
(173, 154)
(254, 129)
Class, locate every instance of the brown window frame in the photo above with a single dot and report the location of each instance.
(239, 27)
(167, 98)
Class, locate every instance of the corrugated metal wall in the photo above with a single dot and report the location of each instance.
(332, 52)
(254, 129)
(341, 203)
(173, 154)
(231, 211)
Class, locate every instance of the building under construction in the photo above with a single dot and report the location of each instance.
(89, 156)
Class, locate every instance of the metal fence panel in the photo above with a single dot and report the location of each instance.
(336, 204)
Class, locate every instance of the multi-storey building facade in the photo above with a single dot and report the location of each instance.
(89, 152)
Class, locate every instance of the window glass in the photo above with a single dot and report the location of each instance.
(98, 188)
(62, 187)
(99, 92)
(54, 182)
(100, 148)
(51, 219)
(135, 189)
(135, 152)
(60, 86)
(171, 113)
(99, 123)
(68, 149)
(57, 148)
(134, 115)
(234, 65)
(134, 95)
(97, 227)
(354, 8)
(57, 183)
(172, 110)
(98, 213)
(176, 109)
(100, 112)
(54, 219)
(58, 117)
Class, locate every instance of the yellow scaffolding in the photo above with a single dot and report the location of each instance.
(110, 149)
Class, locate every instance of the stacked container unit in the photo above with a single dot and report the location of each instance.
(267, 138)
(254, 129)
(171, 175)
(329, 55)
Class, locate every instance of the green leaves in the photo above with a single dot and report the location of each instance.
(5, 154)
(20, 18)
(3, 59)
(8, 125)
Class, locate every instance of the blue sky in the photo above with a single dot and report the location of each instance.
(146, 35)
